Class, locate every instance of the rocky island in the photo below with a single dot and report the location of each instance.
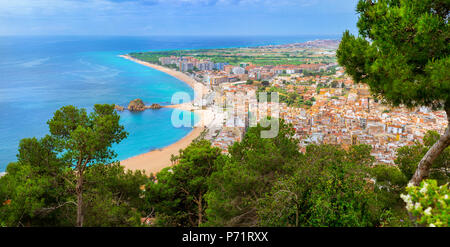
(137, 105)
(119, 108)
(154, 106)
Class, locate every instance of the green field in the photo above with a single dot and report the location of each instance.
(235, 56)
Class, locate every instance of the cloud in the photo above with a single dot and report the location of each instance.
(49, 7)
(170, 16)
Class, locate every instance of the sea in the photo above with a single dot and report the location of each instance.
(40, 74)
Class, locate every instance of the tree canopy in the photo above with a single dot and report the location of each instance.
(243, 177)
(47, 183)
(329, 187)
(176, 195)
(402, 53)
(261, 182)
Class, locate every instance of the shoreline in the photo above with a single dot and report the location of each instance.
(196, 86)
(179, 75)
(156, 160)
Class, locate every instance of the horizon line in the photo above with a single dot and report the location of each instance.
(168, 35)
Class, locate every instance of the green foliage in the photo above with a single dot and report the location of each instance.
(262, 182)
(40, 196)
(334, 84)
(388, 176)
(291, 99)
(328, 188)
(402, 51)
(35, 186)
(322, 72)
(390, 182)
(408, 157)
(232, 56)
(429, 203)
(86, 138)
(250, 171)
(177, 193)
(320, 86)
(41, 186)
(113, 196)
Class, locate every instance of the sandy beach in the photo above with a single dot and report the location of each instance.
(156, 160)
(198, 87)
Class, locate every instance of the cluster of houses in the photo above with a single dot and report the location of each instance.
(215, 74)
(356, 119)
(342, 116)
(342, 113)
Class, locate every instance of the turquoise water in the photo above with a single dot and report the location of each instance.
(87, 79)
(38, 75)
(148, 130)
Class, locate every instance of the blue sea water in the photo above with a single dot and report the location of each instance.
(39, 74)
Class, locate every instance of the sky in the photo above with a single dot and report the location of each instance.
(177, 17)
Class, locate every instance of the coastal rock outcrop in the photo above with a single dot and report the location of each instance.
(119, 108)
(154, 106)
(136, 105)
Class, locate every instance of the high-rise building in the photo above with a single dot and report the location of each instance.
(238, 70)
(220, 66)
(206, 65)
(186, 66)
